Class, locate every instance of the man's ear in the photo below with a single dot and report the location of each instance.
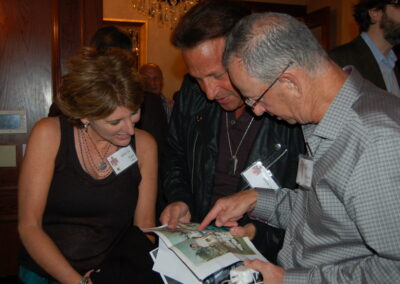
(291, 82)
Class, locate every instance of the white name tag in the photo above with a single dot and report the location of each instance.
(305, 172)
(257, 176)
(122, 159)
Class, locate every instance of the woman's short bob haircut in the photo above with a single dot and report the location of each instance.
(97, 83)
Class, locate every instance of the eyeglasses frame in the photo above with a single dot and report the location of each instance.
(253, 102)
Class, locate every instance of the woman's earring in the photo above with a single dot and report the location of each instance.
(86, 126)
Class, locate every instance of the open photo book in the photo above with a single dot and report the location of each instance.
(190, 256)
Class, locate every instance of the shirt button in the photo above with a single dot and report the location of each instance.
(233, 122)
(277, 146)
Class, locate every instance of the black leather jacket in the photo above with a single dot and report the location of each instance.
(189, 160)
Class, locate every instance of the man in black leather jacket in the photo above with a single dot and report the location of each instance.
(197, 163)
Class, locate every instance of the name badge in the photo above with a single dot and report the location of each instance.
(122, 159)
(305, 171)
(257, 176)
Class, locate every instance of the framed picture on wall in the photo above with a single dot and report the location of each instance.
(137, 30)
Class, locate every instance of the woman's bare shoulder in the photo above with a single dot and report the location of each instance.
(145, 143)
(46, 131)
(144, 139)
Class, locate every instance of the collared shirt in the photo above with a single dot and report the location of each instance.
(346, 228)
(386, 64)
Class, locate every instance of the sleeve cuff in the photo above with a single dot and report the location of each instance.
(297, 276)
(265, 205)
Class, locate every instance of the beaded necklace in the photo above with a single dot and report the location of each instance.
(102, 169)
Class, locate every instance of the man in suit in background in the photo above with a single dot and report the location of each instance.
(371, 52)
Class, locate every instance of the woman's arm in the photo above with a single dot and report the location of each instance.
(34, 183)
(146, 149)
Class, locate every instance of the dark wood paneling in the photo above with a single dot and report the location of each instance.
(25, 76)
(319, 23)
(8, 204)
(70, 30)
(78, 21)
(9, 248)
(93, 18)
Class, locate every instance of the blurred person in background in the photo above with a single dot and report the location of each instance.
(154, 82)
(372, 51)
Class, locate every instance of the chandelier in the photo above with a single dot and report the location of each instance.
(166, 12)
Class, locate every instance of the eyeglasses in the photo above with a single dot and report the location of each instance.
(253, 102)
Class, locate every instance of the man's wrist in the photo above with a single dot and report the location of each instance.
(253, 199)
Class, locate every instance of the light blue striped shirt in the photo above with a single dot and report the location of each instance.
(386, 64)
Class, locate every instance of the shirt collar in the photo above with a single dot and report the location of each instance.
(334, 118)
(390, 59)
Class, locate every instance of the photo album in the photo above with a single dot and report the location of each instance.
(186, 255)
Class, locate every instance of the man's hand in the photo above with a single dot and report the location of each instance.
(174, 213)
(271, 273)
(228, 210)
(248, 230)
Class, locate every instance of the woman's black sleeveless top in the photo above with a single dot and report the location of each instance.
(86, 217)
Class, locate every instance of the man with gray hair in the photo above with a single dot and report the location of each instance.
(342, 223)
